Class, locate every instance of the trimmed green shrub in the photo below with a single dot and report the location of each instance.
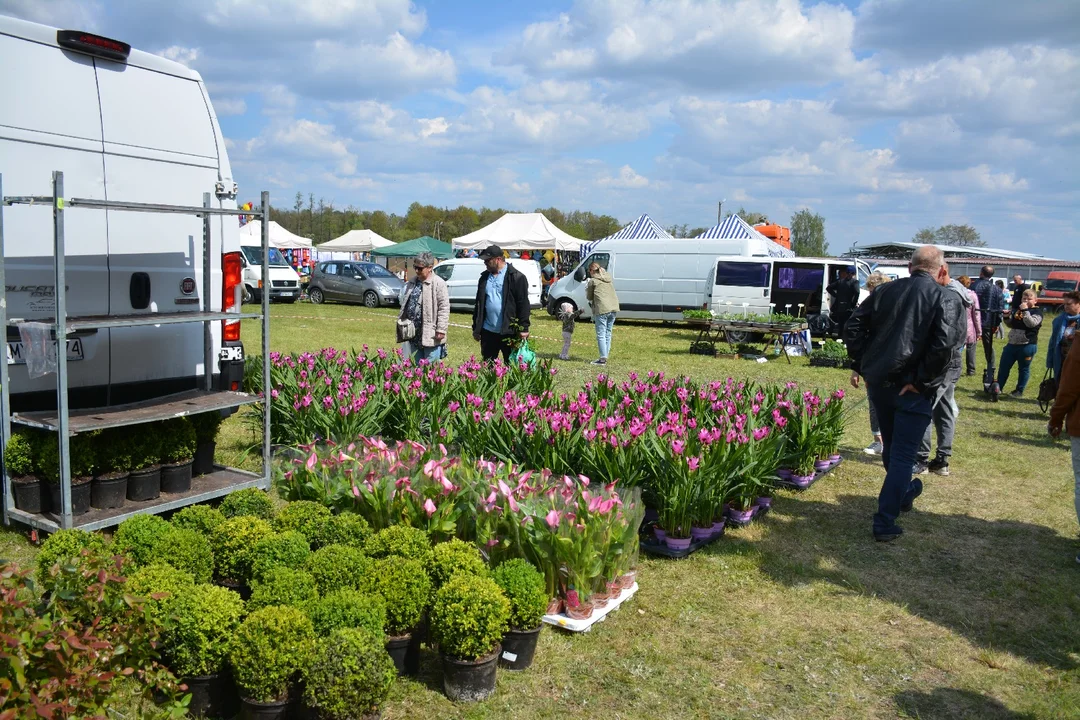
(524, 587)
(349, 609)
(343, 529)
(406, 588)
(306, 517)
(160, 580)
(232, 543)
(201, 518)
(338, 566)
(187, 550)
(136, 537)
(249, 501)
(115, 449)
(453, 557)
(206, 426)
(280, 549)
(82, 452)
(402, 541)
(146, 446)
(283, 586)
(270, 647)
(178, 441)
(350, 675)
(63, 547)
(469, 617)
(19, 455)
(207, 618)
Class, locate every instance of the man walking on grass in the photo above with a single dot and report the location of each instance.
(991, 306)
(901, 340)
(501, 315)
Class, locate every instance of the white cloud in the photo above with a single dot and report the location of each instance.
(304, 140)
(626, 179)
(225, 106)
(183, 55)
(982, 178)
(75, 14)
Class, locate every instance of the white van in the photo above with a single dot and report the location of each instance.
(121, 125)
(284, 280)
(463, 274)
(795, 286)
(654, 279)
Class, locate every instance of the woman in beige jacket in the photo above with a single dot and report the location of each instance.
(426, 301)
(604, 304)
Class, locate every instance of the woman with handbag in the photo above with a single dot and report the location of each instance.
(425, 312)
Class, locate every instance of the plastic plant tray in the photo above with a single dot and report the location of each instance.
(563, 622)
(818, 474)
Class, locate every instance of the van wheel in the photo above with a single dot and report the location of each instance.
(738, 336)
(248, 295)
(371, 300)
(553, 308)
(315, 295)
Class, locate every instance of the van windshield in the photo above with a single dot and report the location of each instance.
(254, 256)
(1059, 285)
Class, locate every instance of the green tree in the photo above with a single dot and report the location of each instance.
(956, 235)
(753, 218)
(925, 236)
(808, 234)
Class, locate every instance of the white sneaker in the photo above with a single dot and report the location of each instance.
(874, 448)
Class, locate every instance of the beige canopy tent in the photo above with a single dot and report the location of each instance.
(251, 234)
(519, 231)
(356, 241)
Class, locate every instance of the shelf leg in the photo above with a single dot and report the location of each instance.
(265, 296)
(60, 267)
(5, 393)
(207, 288)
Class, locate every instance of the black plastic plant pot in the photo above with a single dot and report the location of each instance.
(469, 680)
(204, 459)
(519, 648)
(252, 710)
(213, 696)
(241, 589)
(108, 492)
(176, 478)
(404, 650)
(80, 497)
(30, 496)
(144, 484)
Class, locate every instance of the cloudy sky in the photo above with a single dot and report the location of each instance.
(883, 115)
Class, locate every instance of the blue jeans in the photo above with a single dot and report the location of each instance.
(604, 323)
(1021, 356)
(431, 354)
(904, 419)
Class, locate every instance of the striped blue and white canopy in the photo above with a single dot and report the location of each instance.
(644, 228)
(735, 228)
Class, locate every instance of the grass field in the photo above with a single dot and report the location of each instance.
(974, 613)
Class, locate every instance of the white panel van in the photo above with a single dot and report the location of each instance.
(463, 274)
(284, 280)
(121, 126)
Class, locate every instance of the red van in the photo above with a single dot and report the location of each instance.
(1057, 283)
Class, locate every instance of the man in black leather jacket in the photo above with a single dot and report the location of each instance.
(901, 341)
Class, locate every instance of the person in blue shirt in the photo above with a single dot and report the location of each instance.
(501, 313)
(1063, 332)
(991, 306)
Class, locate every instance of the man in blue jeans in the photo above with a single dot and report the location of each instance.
(901, 340)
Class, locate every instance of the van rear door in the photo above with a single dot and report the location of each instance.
(742, 286)
(160, 147)
(43, 129)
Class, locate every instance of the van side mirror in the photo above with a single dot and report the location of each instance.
(579, 274)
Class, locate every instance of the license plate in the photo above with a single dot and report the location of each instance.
(287, 294)
(228, 354)
(16, 353)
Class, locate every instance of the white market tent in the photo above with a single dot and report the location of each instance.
(355, 241)
(251, 234)
(519, 231)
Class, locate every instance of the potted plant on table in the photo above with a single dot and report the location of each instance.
(406, 588)
(19, 464)
(114, 458)
(269, 651)
(82, 459)
(206, 428)
(469, 617)
(144, 483)
(177, 454)
(350, 676)
(524, 587)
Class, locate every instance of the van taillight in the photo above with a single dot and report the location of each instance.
(93, 44)
(231, 293)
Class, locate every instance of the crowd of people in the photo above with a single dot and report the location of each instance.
(912, 339)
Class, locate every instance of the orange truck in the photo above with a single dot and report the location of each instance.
(1058, 282)
(776, 233)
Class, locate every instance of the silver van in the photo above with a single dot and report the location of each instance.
(354, 282)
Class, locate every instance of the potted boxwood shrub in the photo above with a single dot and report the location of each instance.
(159, 586)
(144, 483)
(406, 588)
(249, 501)
(201, 518)
(232, 543)
(453, 557)
(136, 537)
(349, 677)
(284, 587)
(81, 449)
(345, 528)
(272, 646)
(19, 463)
(469, 617)
(206, 618)
(185, 549)
(402, 541)
(304, 516)
(335, 567)
(349, 609)
(526, 590)
(114, 458)
(280, 549)
(61, 548)
(206, 428)
(177, 453)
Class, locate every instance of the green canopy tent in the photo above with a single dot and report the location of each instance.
(440, 250)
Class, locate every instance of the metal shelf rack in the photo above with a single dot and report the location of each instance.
(67, 422)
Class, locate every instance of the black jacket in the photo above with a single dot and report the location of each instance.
(515, 302)
(1018, 296)
(906, 332)
(991, 302)
(845, 295)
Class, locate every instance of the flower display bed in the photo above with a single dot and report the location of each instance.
(564, 622)
(818, 474)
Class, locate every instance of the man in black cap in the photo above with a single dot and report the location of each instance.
(845, 297)
(501, 314)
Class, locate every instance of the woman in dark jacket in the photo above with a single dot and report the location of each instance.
(1024, 323)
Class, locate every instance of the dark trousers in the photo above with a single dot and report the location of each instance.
(903, 419)
(491, 344)
(988, 345)
(969, 352)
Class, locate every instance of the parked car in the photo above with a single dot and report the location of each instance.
(1058, 282)
(354, 282)
(463, 274)
(284, 281)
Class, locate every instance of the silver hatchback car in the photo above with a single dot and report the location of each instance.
(354, 282)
